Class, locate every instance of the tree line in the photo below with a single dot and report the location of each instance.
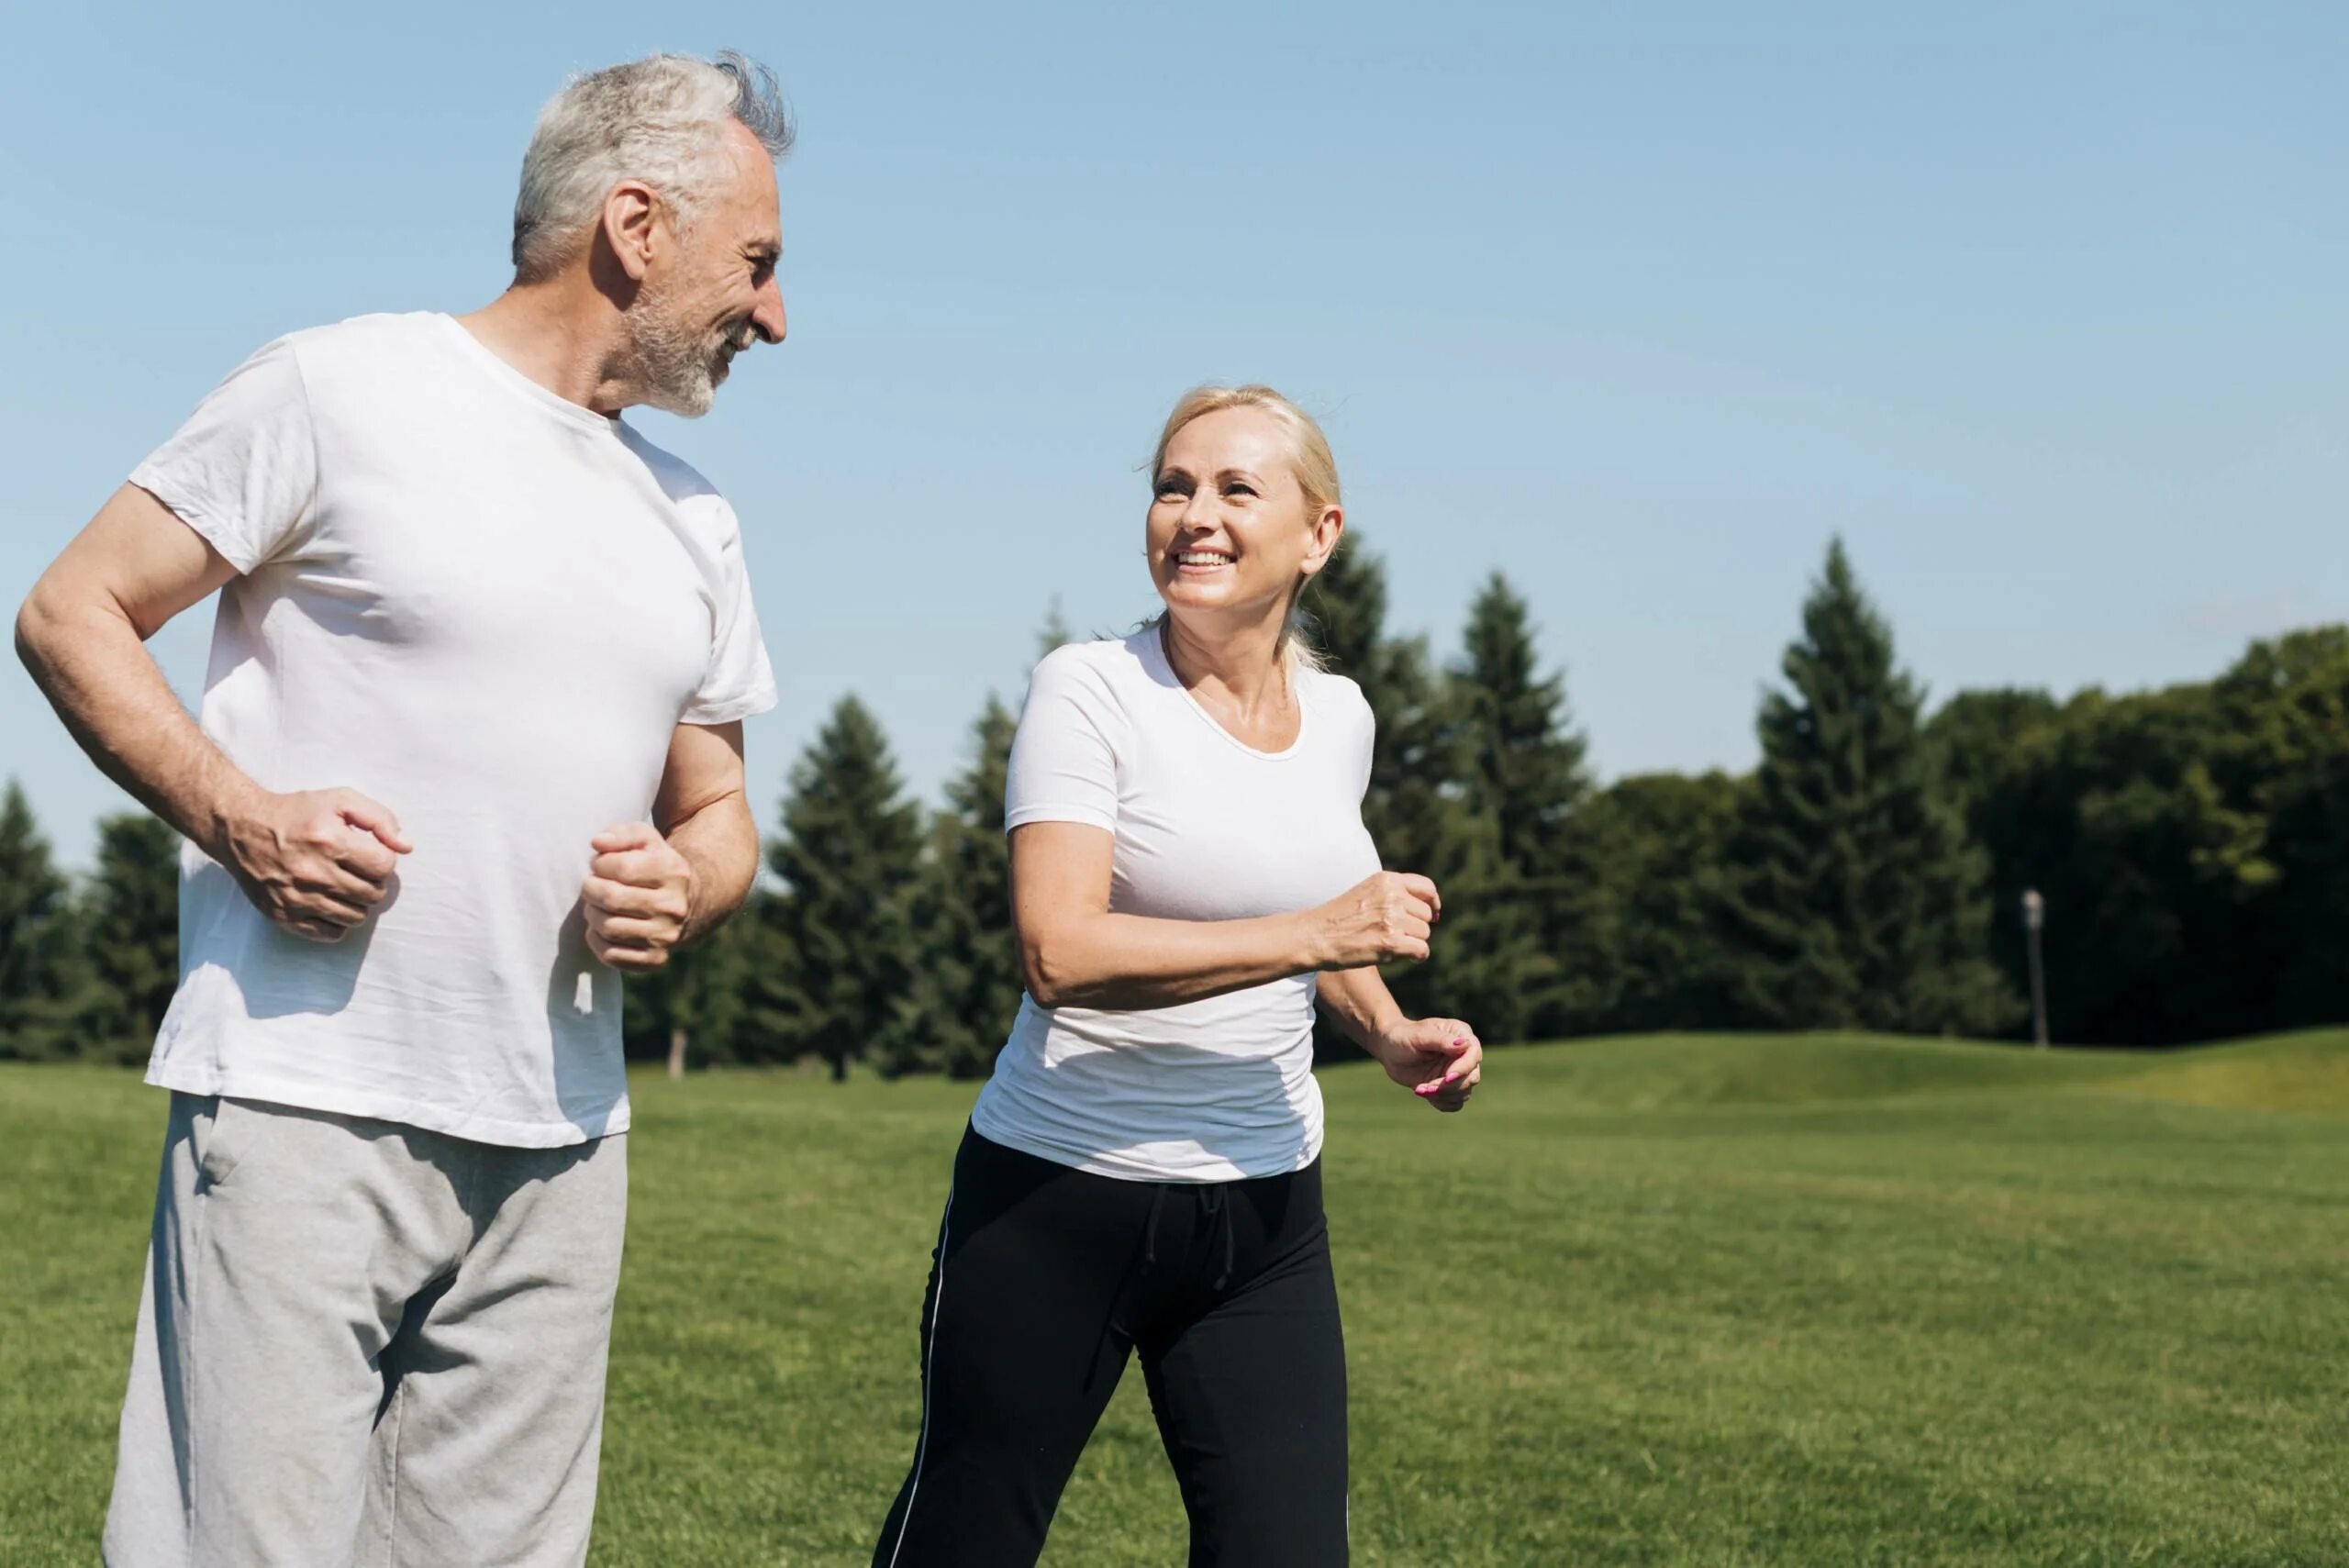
(2191, 845)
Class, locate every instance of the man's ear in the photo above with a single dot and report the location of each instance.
(633, 216)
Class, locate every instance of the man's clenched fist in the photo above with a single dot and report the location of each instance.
(637, 897)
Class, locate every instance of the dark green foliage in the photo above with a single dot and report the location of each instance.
(41, 970)
(1853, 898)
(1489, 965)
(1523, 769)
(966, 985)
(1663, 838)
(848, 859)
(130, 932)
(2193, 848)
(700, 1000)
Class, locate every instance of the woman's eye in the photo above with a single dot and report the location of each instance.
(1239, 490)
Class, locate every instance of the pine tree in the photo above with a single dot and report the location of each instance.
(130, 927)
(849, 855)
(1661, 838)
(1056, 633)
(1853, 898)
(1524, 767)
(696, 1007)
(38, 951)
(1347, 606)
(967, 985)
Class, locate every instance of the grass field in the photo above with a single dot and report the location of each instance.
(1813, 1301)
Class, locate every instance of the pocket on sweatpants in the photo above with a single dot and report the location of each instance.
(213, 1130)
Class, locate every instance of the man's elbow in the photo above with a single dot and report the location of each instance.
(37, 621)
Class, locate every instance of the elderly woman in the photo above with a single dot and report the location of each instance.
(1190, 870)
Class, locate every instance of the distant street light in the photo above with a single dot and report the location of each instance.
(2034, 915)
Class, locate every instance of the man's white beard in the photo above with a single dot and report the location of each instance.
(677, 366)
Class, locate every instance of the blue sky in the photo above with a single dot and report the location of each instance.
(2042, 306)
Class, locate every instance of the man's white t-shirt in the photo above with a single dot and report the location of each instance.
(1204, 827)
(488, 609)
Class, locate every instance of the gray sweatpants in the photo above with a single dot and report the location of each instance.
(364, 1343)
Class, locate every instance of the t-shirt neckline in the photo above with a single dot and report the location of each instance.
(1153, 639)
(488, 359)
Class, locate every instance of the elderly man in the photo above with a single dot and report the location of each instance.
(471, 748)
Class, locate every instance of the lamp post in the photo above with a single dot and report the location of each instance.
(2034, 915)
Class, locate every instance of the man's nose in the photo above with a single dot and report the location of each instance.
(768, 319)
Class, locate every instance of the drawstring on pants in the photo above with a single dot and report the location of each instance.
(1218, 1213)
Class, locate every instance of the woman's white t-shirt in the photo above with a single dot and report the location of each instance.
(1205, 828)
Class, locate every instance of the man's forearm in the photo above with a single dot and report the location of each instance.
(90, 662)
(720, 841)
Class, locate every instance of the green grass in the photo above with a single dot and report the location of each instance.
(1817, 1301)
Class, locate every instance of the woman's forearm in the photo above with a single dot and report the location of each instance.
(1358, 999)
(1132, 961)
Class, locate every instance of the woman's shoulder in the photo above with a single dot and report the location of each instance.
(1333, 693)
(1105, 677)
(1108, 660)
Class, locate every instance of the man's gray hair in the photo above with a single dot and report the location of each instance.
(656, 120)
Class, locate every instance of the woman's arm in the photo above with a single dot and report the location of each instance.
(1440, 1060)
(1075, 952)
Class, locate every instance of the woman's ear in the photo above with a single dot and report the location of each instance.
(1326, 530)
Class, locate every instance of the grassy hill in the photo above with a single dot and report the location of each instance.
(1802, 1300)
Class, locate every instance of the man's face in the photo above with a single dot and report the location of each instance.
(711, 291)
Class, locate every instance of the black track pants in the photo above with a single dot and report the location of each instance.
(1044, 1279)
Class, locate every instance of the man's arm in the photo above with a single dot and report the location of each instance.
(316, 863)
(656, 886)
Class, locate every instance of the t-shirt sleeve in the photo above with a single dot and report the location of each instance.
(243, 471)
(740, 681)
(1365, 743)
(1064, 759)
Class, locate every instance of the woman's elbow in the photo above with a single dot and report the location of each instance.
(1043, 970)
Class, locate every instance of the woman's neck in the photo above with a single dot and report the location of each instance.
(1243, 667)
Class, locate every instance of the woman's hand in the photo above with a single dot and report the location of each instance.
(1387, 916)
(1439, 1060)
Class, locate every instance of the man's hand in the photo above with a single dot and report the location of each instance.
(316, 863)
(638, 895)
(1440, 1060)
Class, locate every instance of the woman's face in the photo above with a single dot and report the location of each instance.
(1228, 533)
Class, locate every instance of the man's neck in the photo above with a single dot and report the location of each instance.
(564, 335)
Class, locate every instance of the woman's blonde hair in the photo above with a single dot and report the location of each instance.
(1309, 460)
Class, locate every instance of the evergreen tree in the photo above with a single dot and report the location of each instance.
(1854, 900)
(1056, 633)
(38, 968)
(1661, 839)
(1524, 767)
(966, 986)
(1347, 606)
(849, 852)
(130, 929)
(696, 1007)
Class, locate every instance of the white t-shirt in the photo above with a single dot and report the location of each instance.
(1205, 828)
(486, 609)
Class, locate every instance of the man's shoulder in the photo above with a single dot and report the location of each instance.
(363, 334)
(680, 480)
